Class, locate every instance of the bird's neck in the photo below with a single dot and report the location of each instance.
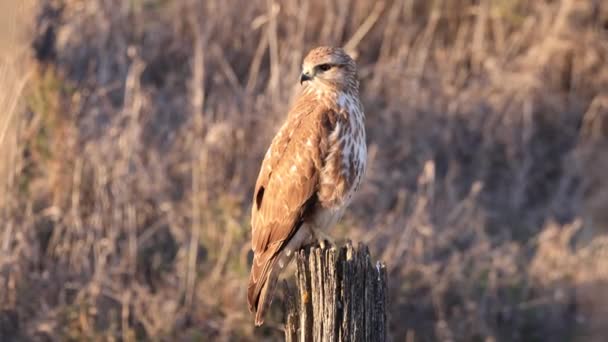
(331, 96)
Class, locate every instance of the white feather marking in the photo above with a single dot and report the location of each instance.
(342, 99)
(336, 133)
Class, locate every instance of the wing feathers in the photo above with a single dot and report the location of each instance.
(284, 193)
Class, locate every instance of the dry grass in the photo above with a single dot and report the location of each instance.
(144, 123)
(13, 78)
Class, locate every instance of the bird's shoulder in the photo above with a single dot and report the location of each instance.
(303, 137)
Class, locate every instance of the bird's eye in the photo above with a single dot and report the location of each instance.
(324, 67)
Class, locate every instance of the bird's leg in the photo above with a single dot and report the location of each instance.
(321, 236)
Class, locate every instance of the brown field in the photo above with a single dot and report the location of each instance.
(131, 133)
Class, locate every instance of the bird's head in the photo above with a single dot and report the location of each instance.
(329, 67)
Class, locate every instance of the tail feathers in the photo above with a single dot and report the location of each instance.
(265, 298)
(261, 292)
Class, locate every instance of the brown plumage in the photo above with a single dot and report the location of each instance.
(311, 170)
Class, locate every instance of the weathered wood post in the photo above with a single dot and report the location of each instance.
(340, 295)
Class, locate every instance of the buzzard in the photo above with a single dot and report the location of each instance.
(310, 172)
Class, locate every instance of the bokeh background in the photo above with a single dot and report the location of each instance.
(131, 133)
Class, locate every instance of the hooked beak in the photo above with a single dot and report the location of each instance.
(305, 77)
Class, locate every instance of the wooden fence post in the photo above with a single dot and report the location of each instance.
(340, 295)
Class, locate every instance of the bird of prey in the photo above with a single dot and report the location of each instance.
(310, 172)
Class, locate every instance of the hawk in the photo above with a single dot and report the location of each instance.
(310, 172)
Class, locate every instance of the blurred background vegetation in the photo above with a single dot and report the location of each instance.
(131, 133)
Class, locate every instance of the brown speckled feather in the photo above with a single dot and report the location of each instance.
(286, 186)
